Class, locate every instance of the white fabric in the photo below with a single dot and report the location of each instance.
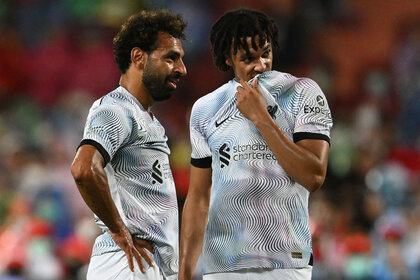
(138, 174)
(114, 266)
(263, 274)
(258, 215)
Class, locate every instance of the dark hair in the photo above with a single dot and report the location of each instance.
(233, 27)
(141, 30)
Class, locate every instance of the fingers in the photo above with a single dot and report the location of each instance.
(130, 260)
(134, 247)
(143, 244)
(140, 246)
(138, 256)
(145, 256)
(245, 85)
(255, 83)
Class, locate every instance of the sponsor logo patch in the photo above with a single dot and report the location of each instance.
(320, 100)
(296, 255)
(272, 111)
(224, 155)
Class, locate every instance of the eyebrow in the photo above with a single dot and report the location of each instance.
(173, 53)
(249, 54)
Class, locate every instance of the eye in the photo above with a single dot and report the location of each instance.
(266, 53)
(247, 59)
(171, 58)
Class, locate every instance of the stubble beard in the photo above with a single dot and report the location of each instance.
(156, 84)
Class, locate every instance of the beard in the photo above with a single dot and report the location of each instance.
(157, 83)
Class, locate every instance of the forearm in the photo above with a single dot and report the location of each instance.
(95, 192)
(91, 180)
(300, 164)
(304, 161)
(194, 221)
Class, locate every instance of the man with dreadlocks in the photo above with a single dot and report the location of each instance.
(260, 145)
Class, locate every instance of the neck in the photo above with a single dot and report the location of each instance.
(134, 85)
(238, 78)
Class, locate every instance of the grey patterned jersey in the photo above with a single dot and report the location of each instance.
(134, 146)
(258, 215)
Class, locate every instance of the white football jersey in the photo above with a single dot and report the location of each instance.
(134, 146)
(258, 215)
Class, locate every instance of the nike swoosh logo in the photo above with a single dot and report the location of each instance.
(220, 123)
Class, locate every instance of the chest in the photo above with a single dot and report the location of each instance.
(148, 133)
(229, 126)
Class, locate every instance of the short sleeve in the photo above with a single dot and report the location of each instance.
(314, 119)
(107, 128)
(201, 153)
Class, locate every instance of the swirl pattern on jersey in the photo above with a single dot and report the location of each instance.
(258, 215)
(138, 173)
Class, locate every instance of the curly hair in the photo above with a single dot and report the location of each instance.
(233, 27)
(141, 30)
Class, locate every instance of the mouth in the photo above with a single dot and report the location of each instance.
(173, 82)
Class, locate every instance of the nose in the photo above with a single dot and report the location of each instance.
(180, 68)
(261, 65)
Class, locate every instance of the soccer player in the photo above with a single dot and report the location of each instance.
(260, 145)
(121, 167)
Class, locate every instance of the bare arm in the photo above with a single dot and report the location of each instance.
(91, 180)
(304, 161)
(194, 220)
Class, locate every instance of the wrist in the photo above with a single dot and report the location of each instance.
(185, 271)
(183, 275)
(262, 120)
(118, 228)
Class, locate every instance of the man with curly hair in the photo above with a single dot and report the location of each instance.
(121, 167)
(260, 145)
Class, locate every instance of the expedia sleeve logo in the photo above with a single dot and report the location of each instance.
(317, 109)
(320, 100)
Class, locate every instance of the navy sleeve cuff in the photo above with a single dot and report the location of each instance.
(201, 162)
(99, 147)
(309, 135)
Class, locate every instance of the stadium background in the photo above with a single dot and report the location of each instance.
(56, 59)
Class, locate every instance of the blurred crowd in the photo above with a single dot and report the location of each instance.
(56, 59)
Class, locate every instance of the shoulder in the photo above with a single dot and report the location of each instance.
(115, 100)
(277, 79)
(280, 81)
(212, 101)
(307, 86)
(118, 97)
(295, 87)
(207, 107)
(114, 108)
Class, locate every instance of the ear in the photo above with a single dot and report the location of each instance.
(138, 57)
(228, 61)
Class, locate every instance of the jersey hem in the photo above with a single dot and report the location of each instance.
(287, 263)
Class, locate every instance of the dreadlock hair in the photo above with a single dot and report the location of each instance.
(230, 31)
(141, 30)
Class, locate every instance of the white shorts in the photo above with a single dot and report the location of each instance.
(114, 266)
(263, 274)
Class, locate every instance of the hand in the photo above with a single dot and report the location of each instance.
(133, 247)
(250, 100)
